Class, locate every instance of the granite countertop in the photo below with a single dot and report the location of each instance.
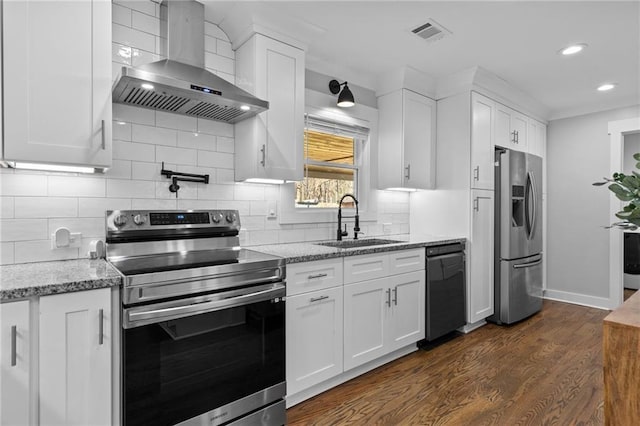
(305, 252)
(44, 278)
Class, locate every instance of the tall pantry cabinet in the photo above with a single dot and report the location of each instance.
(56, 75)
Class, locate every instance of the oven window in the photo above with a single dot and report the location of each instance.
(179, 369)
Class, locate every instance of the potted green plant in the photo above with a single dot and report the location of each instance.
(626, 188)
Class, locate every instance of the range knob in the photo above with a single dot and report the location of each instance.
(139, 219)
(216, 217)
(231, 217)
(120, 220)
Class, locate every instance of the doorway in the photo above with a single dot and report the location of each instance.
(621, 132)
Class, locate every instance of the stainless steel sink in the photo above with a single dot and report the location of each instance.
(358, 243)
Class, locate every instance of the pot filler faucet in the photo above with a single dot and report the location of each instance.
(356, 227)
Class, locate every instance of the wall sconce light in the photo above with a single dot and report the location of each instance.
(345, 98)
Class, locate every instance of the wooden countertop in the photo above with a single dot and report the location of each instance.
(628, 314)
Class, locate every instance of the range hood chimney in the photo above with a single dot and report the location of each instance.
(181, 84)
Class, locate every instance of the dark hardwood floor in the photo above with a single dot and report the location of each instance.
(545, 370)
(628, 292)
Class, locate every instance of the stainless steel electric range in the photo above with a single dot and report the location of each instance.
(203, 332)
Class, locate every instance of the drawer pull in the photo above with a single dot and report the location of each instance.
(310, 277)
(395, 296)
(388, 297)
(13, 345)
(317, 299)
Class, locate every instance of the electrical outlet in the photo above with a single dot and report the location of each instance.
(272, 209)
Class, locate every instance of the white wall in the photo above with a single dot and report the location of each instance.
(578, 245)
(631, 147)
(34, 204)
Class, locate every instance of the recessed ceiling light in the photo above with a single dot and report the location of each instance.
(573, 49)
(147, 86)
(606, 86)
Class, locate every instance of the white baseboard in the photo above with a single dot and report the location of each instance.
(577, 299)
(468, 328)
(632, 281)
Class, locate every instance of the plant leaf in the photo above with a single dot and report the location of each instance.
(636, 156)
(600, 183)
(621, 193)
(631, 182)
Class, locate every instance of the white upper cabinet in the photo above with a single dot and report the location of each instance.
(511, 128)
(537, 138)
(406, 140)
(57, 82)
(482, 141)
(270, 145)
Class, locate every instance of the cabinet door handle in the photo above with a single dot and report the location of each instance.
(264, 155)
(14, 334)
(317, 299)
(102, 134)
(388, 297)
(408, 169)
(476, 204)
(395, 296)
(476, 173)
(311, 277)
(101, 327)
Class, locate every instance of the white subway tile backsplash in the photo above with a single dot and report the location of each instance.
(6, 253)
(219, 160)
(122, 112)
(256, 238)
(248, 192)
(187, 191)
(122, 131)
(97, 207)
(22, 229)
(176, 155)
(223, 48)
(219, 63)
(120, 54)
(40, 251)
(144, 22)
(225, 176)
(210, 44)
(258, 208)
(176, 121)
(23, 184)
(117, 188)
(213, 30)
(153, 204)
(197, 204)
(243, 207)
(215, 192)
(253, 223)
(225, 144)
(72, 186)
(6, 207)
(88, 226)
(144, 6)
(133, 151)
(290, 235)
(147, 171)
(120, 15)
(45, 207)
(120, 169)
(134, 38)
(217, 128)
(153, 135)
(195, 140)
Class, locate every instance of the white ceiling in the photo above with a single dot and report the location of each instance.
(516, 40)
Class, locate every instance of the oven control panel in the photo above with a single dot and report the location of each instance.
(133, 220)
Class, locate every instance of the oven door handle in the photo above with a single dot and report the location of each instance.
(138, 316)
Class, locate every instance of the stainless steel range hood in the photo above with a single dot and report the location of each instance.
(181, 84)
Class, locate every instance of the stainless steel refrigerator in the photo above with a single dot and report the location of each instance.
(518, 236)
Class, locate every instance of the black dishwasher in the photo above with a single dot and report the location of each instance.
(445, 295)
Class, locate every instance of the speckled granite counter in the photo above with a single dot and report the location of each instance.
(43, 278)
(305, 252)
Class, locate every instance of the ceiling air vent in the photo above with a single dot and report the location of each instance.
(430, 31)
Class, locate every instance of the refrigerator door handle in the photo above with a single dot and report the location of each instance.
(527, 265)
(530, 197)
(534, 201)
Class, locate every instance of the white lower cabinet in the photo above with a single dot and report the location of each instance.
(480, 271)
(314, 338)
(382, 315)
(343, 313)
(57, 366)
(15, 361)
(75, 358)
